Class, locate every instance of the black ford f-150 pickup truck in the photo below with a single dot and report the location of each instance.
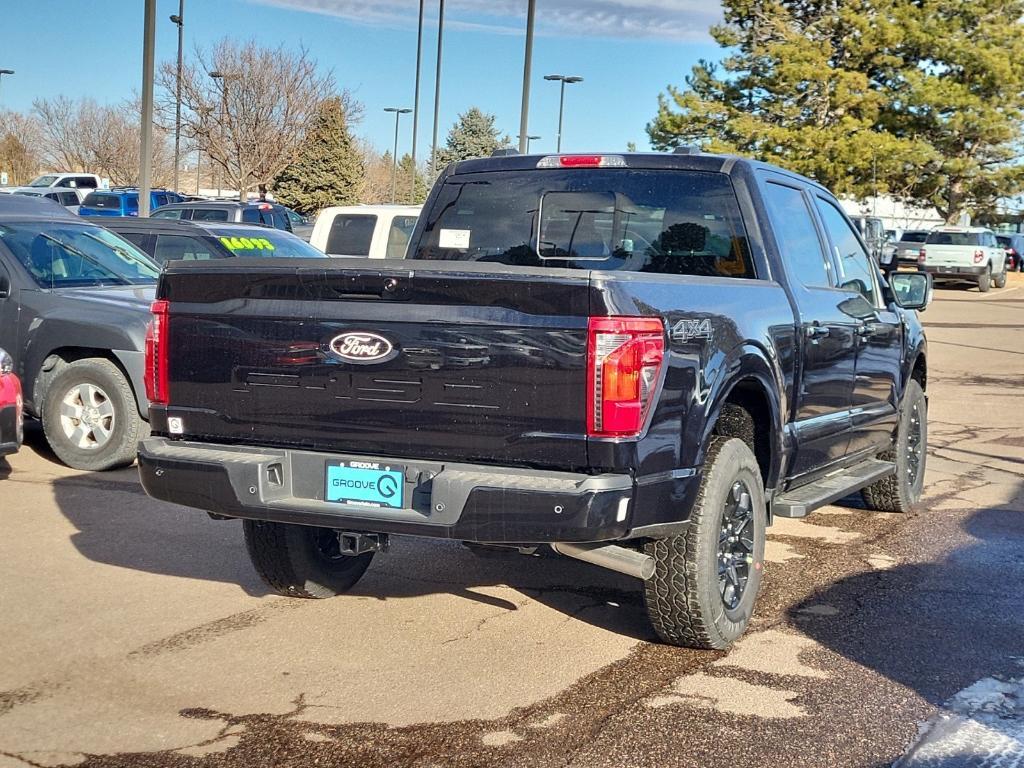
(636, 359)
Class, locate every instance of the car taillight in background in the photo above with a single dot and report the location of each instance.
(921, 255)
(624, 359)
(979, 256)
(156, 354)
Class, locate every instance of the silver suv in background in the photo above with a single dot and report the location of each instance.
(69, 198)
(908, 247)
(958, 254)
(262, 212)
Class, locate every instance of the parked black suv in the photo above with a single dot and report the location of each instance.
(74, 307)
(166, 240)
(635, 359)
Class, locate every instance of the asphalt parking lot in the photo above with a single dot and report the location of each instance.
(135, 633)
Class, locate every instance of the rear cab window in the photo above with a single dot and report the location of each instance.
(351, 234)
(677, 222)
(398, 236)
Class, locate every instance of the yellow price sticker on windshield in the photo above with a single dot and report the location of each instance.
(247, 243)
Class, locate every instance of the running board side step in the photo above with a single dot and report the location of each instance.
(799, 502)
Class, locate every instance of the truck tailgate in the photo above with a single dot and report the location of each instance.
(448, 362)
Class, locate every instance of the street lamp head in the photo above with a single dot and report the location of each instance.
(6, 71)
(573, 79)
(398, 110)
(554, 77)
(216, 74)
(176, 19)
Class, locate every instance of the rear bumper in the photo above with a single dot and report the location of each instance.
(954, 272)
(444, 500)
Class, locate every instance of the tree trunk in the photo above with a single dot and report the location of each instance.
(263, 191)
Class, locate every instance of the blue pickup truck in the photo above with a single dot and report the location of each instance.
(638, 360)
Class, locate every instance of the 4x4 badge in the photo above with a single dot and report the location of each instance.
(687, 330)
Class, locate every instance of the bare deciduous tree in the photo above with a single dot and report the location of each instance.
(250, 121)
(105, 139)
(19, 146)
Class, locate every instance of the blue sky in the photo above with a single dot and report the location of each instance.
(627, 51)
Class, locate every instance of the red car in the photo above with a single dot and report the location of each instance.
(11, 418)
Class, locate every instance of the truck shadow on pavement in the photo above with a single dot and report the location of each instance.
(117, 524)
(934, 627)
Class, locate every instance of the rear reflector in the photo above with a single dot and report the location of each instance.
(624, 359)
(582, 161)
(156, 354)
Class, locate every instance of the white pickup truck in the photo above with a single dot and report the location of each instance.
(367, 231)
(964, 254)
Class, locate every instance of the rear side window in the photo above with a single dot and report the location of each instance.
(173, 213)
(69, 198)
(102, 200)
(797, 236)
(170, 247)
(138, 239)
(954, 238)
(85, 182)
(667, 222)
(159, 198)
(351, 234)
(250, 216)
(209, 214)
(281, 221)
(398, 236)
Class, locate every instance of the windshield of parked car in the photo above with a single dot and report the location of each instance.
(668, 222)
(954, 238)
(265, 242)
(68, 254)
(43, 181)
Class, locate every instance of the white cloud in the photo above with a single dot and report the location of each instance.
(652, 19)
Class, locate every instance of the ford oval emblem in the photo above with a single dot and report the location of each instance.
(362, 347)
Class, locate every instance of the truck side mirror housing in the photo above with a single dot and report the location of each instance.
(911, 290)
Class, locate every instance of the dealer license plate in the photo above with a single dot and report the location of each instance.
(367, 484)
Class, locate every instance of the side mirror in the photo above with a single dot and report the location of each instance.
(911, 290)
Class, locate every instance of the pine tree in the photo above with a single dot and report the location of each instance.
(472, 135)
(329, 169)
(409, 191)
(920, 99)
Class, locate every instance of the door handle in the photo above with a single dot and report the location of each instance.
(866, 330)
(817, 331)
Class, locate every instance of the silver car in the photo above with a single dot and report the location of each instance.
(62, 196)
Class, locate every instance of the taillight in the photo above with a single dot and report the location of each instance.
(921, 256)
(156, 354)
(624, 359)
(979, 256)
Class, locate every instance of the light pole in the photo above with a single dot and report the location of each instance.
(179, 20)
(5, 72)
(399, 111)
(528, 140)
(146, 133)
(223, 77)
(437, 89)
(524, 109)
(416, 100)
(561, 100)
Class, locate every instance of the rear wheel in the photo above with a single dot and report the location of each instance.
(706, 580)
(985, 281)
(301, 560)
(901, 491)
(89, 416)
(1000, 279)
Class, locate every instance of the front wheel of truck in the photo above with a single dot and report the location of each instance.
(706, 580)
(301, 560)
(900, 491)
